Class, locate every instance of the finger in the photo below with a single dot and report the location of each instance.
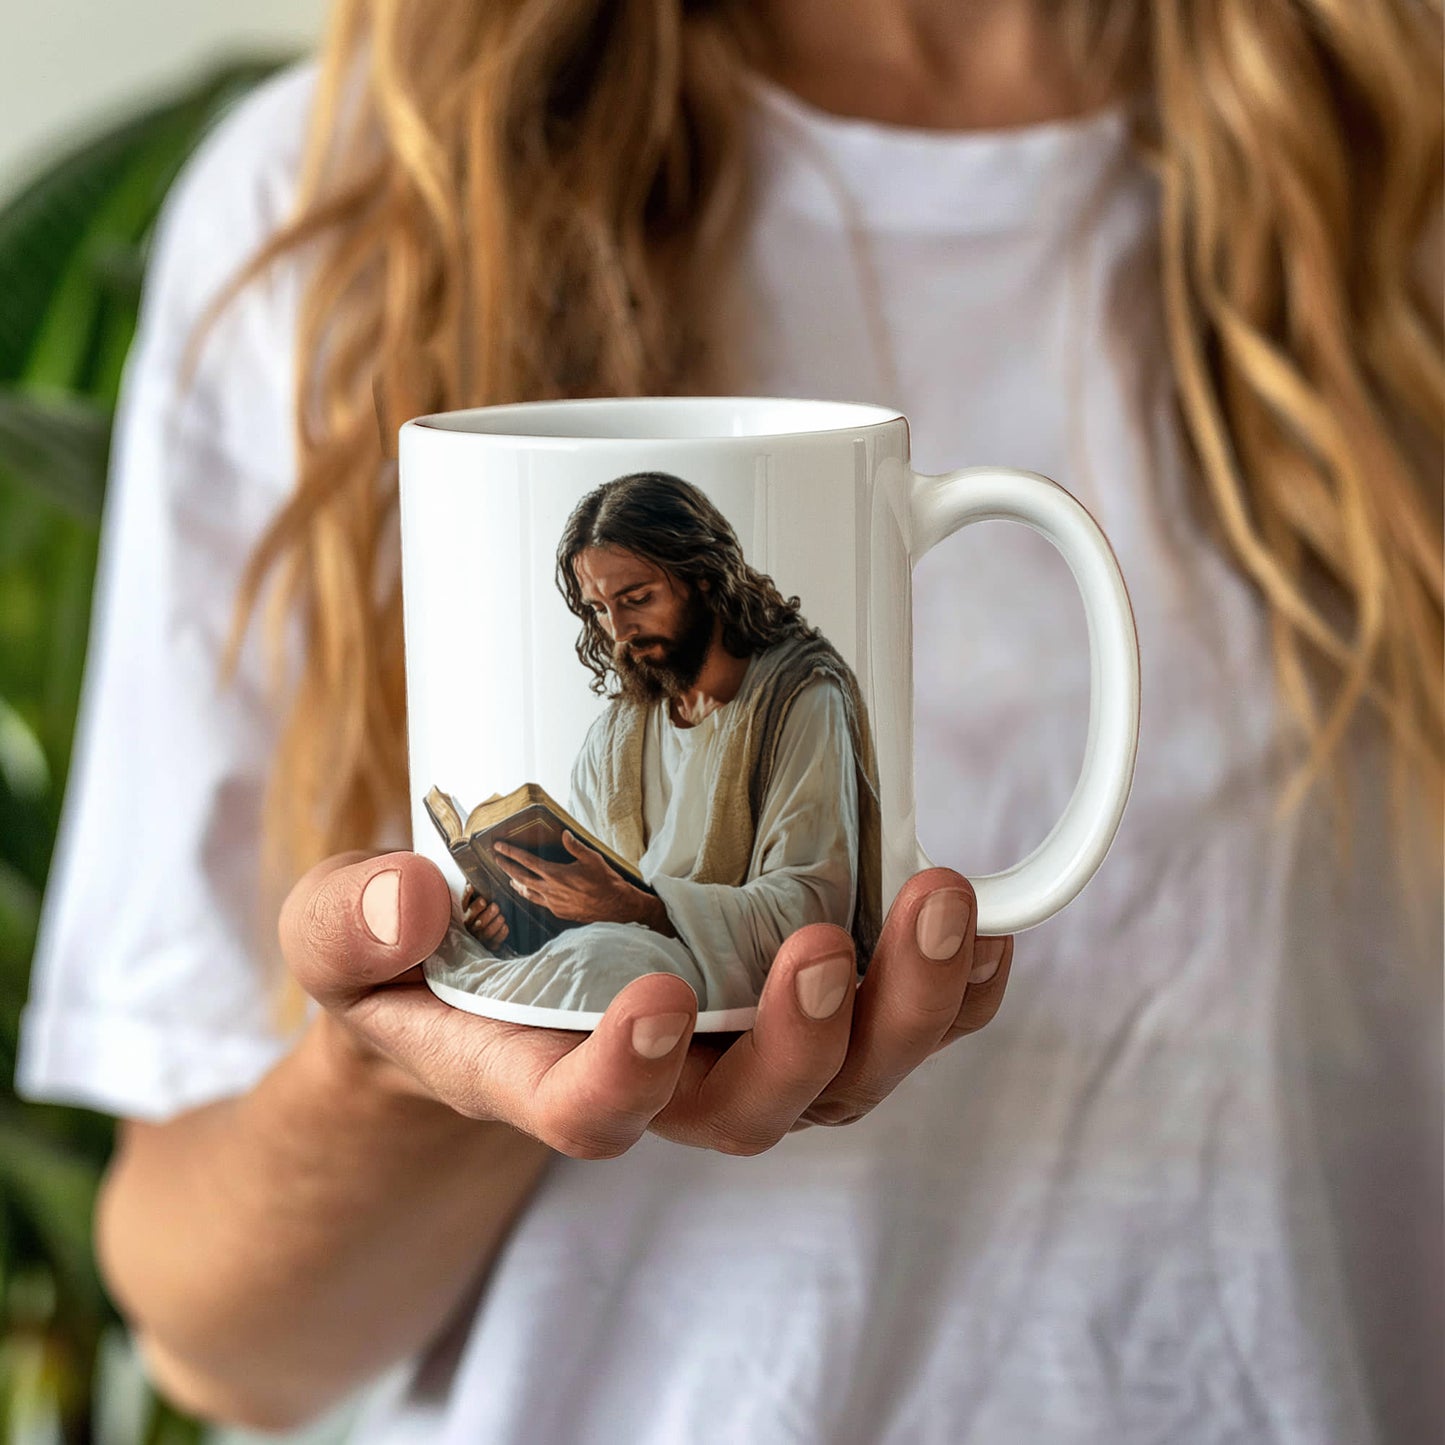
(594, 1098)
(518, 858)
(910, 996)
(746, 1099)
(992, 960)
(514, 874)
(352, 922)
(524, 875)
(587, 856)
(587, 1095)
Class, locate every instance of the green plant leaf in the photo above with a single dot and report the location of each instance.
(66, 332)
(22, 759)
(59, 445)
(53, 1192)
(45, 224)
(41, 227)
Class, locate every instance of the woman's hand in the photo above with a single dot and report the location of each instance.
(930, 982)
(354, 931)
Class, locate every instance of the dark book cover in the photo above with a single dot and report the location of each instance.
(528, 818)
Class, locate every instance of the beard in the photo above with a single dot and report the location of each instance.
(678, 664)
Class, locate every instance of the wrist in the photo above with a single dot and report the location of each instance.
(649, 909)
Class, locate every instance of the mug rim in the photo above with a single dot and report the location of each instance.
(847, 417)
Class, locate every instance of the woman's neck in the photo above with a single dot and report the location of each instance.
(938, 64)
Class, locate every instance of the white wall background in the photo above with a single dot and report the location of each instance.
(69, 65)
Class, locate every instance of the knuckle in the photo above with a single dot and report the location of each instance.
(457, 1076)
(973, 1021)
(468, 1096)
(743, 1139)
(364, 1017)
(743, 1146)
(465, 1103)
(909, 1039)
(828, 1063)
(835, 1113)
(921, 1025)
(580, 1138)
(805, 1062)
(584, 1143)
(462, 1097)
(988, 1012)
(977, 1013)
(810, 1072)
(959, 1031)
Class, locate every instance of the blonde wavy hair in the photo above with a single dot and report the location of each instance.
(518, 199)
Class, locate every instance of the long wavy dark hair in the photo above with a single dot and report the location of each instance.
(668, 522)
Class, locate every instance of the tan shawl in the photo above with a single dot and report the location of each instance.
(745, 763)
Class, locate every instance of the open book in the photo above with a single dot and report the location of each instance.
(527, 817)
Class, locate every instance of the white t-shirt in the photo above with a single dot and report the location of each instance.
(1186, 1187)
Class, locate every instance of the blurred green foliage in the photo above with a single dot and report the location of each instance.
(72, 252)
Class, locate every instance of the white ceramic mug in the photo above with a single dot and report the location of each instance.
(717, 790)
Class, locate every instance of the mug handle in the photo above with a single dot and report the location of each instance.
(1053, 874)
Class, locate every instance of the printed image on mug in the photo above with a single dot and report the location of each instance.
(725, 795)
(659, 682)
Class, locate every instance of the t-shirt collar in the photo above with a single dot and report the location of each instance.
(908, 178)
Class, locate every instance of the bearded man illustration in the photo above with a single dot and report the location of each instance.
(733, 763)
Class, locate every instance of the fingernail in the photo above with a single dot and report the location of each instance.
(942, 922)
(986, 958)
(655, 1037)
(381, 906)
(822, 986)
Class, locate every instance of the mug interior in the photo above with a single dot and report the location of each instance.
(663, 418)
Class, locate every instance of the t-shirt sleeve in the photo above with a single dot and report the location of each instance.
(147, 995)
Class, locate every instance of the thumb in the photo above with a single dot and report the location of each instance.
(573, 844)
(349, 925)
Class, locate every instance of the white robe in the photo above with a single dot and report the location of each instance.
(803, 869)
